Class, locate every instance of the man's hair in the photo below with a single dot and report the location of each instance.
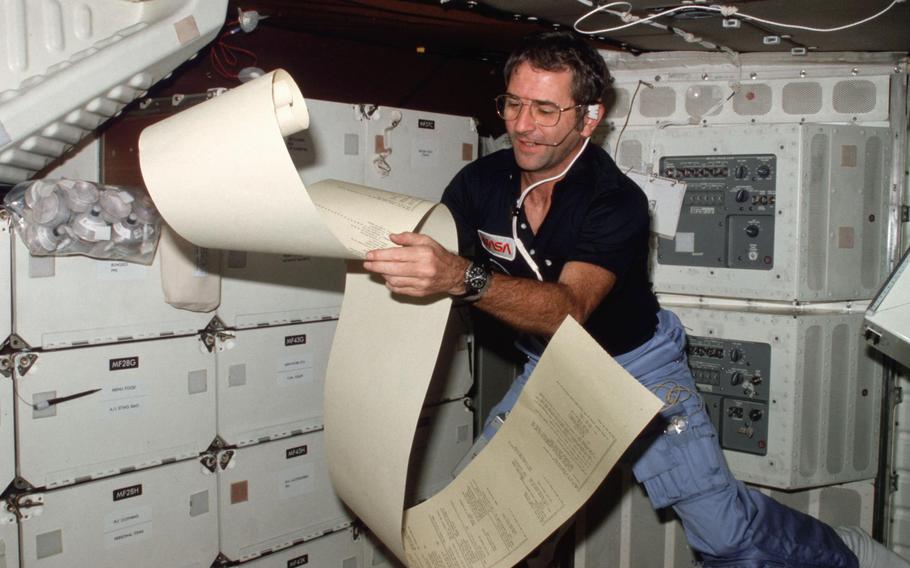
(560, 51)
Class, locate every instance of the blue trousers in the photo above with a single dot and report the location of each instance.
(683, 467)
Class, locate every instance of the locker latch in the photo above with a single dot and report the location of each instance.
(24, 363)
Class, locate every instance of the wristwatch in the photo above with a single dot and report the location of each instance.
(477, 278)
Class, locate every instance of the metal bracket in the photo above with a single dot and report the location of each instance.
(893, 482)
(365, 111)
(225, 459)
(16, 343)
(209, 461)
(6, 366)
(24, 363)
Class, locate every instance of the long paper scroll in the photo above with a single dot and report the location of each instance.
(221, 176)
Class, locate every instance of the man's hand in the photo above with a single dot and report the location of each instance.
(418, 267)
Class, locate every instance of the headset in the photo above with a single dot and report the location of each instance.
(593, 112)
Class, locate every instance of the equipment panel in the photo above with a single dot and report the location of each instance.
(738, 373)
(800, 405)
(727, 218)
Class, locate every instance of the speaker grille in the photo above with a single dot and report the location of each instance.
(630, 155)
(802, 98)
(753, 100)
(657, 102)
(854, 96)
(702, 98)
(620, 106)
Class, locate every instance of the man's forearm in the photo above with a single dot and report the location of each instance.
(528, 305)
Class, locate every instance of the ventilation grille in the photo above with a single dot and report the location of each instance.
(854, 97)
(872, 217)
(812, 387)
(753, 100)
(838, 416)
(817, 212)
(703, 100)
(802, 98)
(658, 102)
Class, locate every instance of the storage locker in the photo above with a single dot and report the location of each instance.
(271, 381)
(276, 494)
(75, 300)
(120, 407)
(260, 289)
(796, 400)
(163, 516)
(417, 152)
(335, 550)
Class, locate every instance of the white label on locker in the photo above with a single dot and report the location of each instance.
(127, 527)
(124, 399)
(425, 153)
(295, 370)
(297, 481)
(120, 270)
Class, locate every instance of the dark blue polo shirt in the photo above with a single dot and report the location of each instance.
(597, 215)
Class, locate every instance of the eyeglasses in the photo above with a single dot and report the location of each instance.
(508, 107)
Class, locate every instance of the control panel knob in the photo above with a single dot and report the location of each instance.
(736, 378)
(755, 415)
(763, 171)
(742, 195)
(736, 355)
(741, 172)
(752, 231)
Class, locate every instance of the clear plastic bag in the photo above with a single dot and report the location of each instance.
(60, 217)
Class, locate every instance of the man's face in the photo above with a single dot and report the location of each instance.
(528, 139)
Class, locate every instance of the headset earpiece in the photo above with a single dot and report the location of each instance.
(593, 112)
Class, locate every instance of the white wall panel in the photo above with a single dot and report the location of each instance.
(9, 541)
(899, 513)
(164, 516)
(276, 494)
(335, 550)
(7, 432)
(156, 402)
(333, 147)
(271, 381)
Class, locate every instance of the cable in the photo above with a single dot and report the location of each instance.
(726, 11)
(226, 56)
(629, 115)
(632, 20)
(517, 209)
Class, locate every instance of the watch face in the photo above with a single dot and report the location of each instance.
(476, 277)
